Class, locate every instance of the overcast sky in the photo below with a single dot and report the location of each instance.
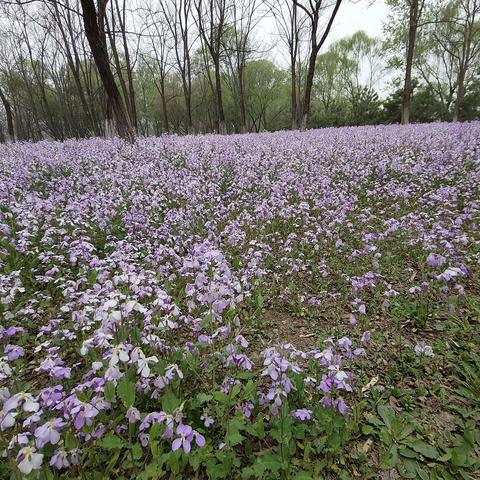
(352, 16)
(359, 16)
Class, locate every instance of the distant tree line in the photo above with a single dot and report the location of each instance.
(78, 68)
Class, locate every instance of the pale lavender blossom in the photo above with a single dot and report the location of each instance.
(302, 414)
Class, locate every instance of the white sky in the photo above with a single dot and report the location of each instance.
(366, 15)
(361, 15)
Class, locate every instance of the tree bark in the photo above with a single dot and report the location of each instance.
(407, 85)
(94, 30)
(460, 94)
(308, 89)
(293, 65)
(8, 113)
(315, 47)
(219, 100)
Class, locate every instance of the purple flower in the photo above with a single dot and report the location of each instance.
(48, 432)
(207, 421)
(133, 415)
(185, 436)
(365, 337)
(28, 460)
(13, 352)
(50, 396)
(345, 343)
(59, 459)
(302, 414)
(7, 420)
(247, 409)
(422, 349)
(435, 260)
(341, 406)
(27, 400)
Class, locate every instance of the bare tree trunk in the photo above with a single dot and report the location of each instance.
(10, 137)
(308, 89)
(293, 65)
(407, 85)
(166, 123)
(460, 94)
(95, 32)
(241, 95)
(187, 92)
(219, 100)
(131, 90)
(314, 16)
(293, 94)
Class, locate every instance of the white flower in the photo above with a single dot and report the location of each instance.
(97, 366)
(425, 350)
(4, 394)
(173, 368)
(30, 460)
(110, 304)
(5, 369)
(118, 354)
(7, 419)
(143, 362)
(115, 316)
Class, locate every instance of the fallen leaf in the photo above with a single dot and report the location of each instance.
(370, 384)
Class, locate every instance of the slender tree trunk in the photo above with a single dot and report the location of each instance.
(407, 85)
(314, 49)
(218, 94)
(132, 105)
(166, 123)
(293, 99)
(460, 94)
(96, 39)
(188, 106)
(293, 66)
(187, 86)
(308, 89)
(241, 95)
(10, 137)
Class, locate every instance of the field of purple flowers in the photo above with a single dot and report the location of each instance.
(288, 305)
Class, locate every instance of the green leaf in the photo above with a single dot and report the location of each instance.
(235, 390)
(202, 398)
(70, 440)
(195, 461)
(220, 397)
(423, 448)
(154, 431)
(407, 430)
(267, 461)
(387, 414)
(170, 402)
(234, 437)
(459, 457)
(422, 473)
(92, 276)
(257, 429)
(407, 452)
(389, 458)
(153, 470)
(126, 392)
(111, 442)
(137, 451)
(303, 476)
(260, 300)
(109, 392)
(367, 429)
